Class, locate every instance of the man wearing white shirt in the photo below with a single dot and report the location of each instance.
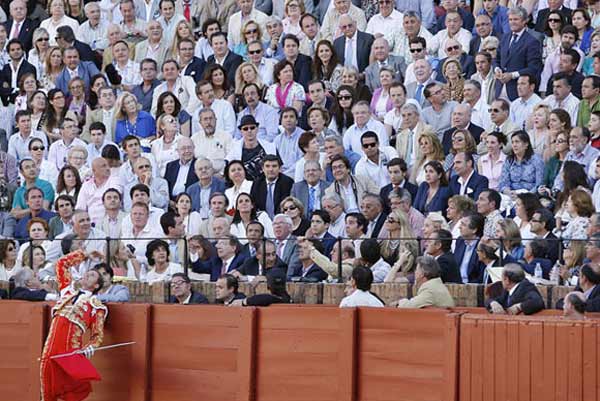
(90, 195)
(139, 228)
(264, 65)
(363, 122)
(93, 31)
(18, 143)
(59, 149)
(97, 142)
(223, 110)
(562, 97)
(454, 30)
(334, 205)
(209, 143)
(183, 87)
(411, 29)
(521, 109)
(480, 114)
(169, 19)
(330, 29)
(132, 148)
(361, 280)
(237, 20)
(373, 163)
(385, 23)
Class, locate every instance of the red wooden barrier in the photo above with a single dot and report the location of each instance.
(407, 354)
(528, 358)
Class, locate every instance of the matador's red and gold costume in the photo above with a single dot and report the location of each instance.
(75, 313)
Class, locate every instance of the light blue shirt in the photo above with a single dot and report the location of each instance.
(520, 109)
(586, 157)
(266, 117)
(464, 265)
(526, 174)
(288, 149)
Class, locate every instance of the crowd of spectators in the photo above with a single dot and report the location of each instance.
(405, 141)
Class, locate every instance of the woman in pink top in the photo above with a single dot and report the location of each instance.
(490, 164)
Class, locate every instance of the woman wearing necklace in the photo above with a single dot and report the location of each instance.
(38, 104)
(133, 121)
(164, 148)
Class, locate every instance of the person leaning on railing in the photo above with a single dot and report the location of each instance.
(431, 290)
(519, 295)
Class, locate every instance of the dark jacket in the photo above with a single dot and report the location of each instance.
(282, 189)
(525, 294)
(467, 65)
(545, 264)
(477, 183)
(575, 79)
(171, 172)
(195, 69)
(385, 193)
(379, 225)
(302, 70)
(268, 299)
(449, 268)
(87, 54)
(7, 94)
(196, 298)
(475, 271)
(25, 294)
(25, 32)
(250, 267)
(474, 130)
(439, 202)
(231, 64)
(364, 41)
(314, 273)
(542, 16)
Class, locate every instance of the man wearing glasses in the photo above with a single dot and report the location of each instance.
(497, 14)
(181, 290)
(18, 144)
(412, 28)
(454, 30)
(483, 30)
(374, 161)
(454, 50)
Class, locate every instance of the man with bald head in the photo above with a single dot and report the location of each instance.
(483, 29)
(454, 50)
(353, 48)
(180, 174)
(461, 119)
(330, 29)
(90, 195)
(18, 25)
(415, 90)
(381, 52)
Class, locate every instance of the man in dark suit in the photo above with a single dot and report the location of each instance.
(535, 252)
(467, 181)
(461, 119)
(180, 181)
(301, 62)
(519, 52)
(465, 252)
(542, 224)
(397, 169)
(353, 43)
(371, 206)
(318, 98)
(287, 249)
(272, 187)
(468, 21)
(75, 67)
(191, 65)
(223, 56)
(181, 291)
(439, 246)
(230, 256)
(65, 37)
(308, 270)
(320, 220)
(311, 189)
(542, 16)
(18, 25)
(519, 295)
(254, 266)
(9, 84)
(483, 29)
(29, 288)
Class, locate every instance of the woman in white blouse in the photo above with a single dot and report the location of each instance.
(285, 92)
(490, 164)
(8, 259)
(191, 219)
(164, 148)
(56, 9)
(158, 255)
(235, 175)
(37, 55)
(245, 212)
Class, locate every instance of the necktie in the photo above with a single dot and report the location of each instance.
(270, 207)
(409, 148)
(508, 301)
(513, 41)
(223, 268)
(349, 55)
(280, 249)
(312, 46)
(311, 199)
(186, 10)
(15, 32)
(419, 93)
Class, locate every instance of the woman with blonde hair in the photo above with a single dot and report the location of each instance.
(295, 209)
(539, 131)
(431, 149)
(573, 257)
(250, 32)
(53, 65)
(183, 30)
(123, 261)
(455, 82)
(293, 10)
(246, 73)
(164, 147)
(37, 55)
(131, 120)
(400, 237)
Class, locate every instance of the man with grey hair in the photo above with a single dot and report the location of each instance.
(424, 76)
(18, 25)
(207, 184)
(480, 114)
(353, 48)
(334, 205)
(412, 29)
(237, 20)
(381, 53)
(411, 129)
(331, 29)
(519, 53)
(311, 189)
(461, 119)
(519, 295)
(29, 288)
(286, 243)
(455, 51)
(274, 46)
(431, 290)
(333, 147)
(94, 31)
(211, 143)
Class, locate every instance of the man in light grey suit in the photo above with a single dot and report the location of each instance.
(312, 184)
(153, 47)
(286, 244)
(381, 52)
(424, 75)
(104, 114)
